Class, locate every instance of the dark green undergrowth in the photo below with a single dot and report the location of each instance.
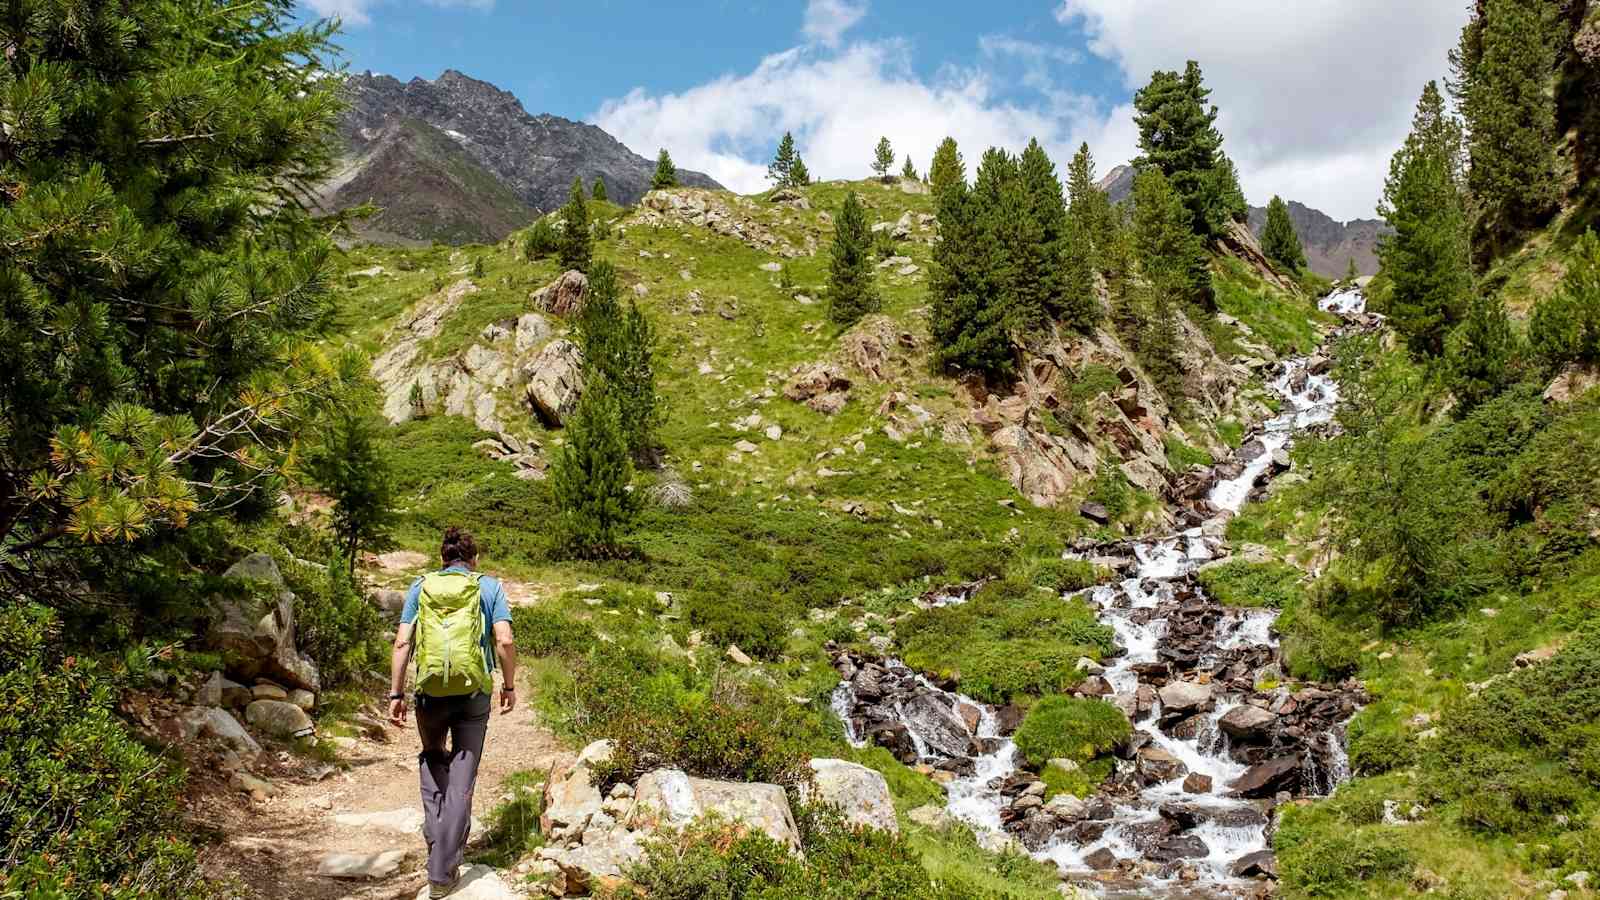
(1240, 583)
(1074, 728)
(1011, 642)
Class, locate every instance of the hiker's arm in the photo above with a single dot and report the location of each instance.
(397, 671)
(505, 649)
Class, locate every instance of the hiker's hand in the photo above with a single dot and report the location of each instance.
(508, 700)
(397, 711)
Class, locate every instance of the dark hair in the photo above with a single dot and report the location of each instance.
(458, 546)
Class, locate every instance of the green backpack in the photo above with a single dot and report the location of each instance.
(449, 636)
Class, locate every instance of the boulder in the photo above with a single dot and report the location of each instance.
(1260, 864)
(564, 296)
(571, 797)
(479, 882)
(1067, 808)
(1197, 783)
(671, 798)
(1185, 697)
(278, 718)
(303, 699)
(1268, 778)
(532, 330)
(1248, 723)
(940, 728)
(601, 856)
(861, 793)
(209, 693)
(1156, 765)
(1573, 382)
(932, 816)
(1095, 512)
(219, 724)
(1175, 847)
(1040, 465)
(374, 866)
(253, 626)
(555, 381)
(1101, 860)
(822, 386)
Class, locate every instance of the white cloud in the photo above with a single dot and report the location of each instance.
(359, 12)
(826, 21)
(1314, 94)
(839, 103)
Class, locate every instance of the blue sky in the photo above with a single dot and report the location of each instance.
(1315, 94)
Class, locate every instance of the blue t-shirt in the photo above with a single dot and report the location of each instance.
(491, 596)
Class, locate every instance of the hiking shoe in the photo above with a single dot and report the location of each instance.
(437, 890)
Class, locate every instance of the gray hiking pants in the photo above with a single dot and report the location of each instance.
(449, 772)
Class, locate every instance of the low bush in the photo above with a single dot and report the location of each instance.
(1240, 583)
(750, 623)
(1181, 456)
(1084, 781)
(541, 241)
(1318, 860)
(545, 631)
(1380, 750)
(1074, 728)
(335, 623)
(1316, 649)
(1062, 575)
(909, 787)
(86, 810)
(1010, 642)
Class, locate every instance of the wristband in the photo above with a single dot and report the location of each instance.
(397, 696)
(508, 690)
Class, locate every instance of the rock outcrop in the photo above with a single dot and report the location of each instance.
(555, 381)
(861, 793)
(253, 626)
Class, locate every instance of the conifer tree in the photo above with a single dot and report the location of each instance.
(1351, 273)
(1170, 255)
(666, 175)
(1503, 70)
(947, 169)
(161, 284)
(1480, 353)
(590, 479)
(1178, 135)
(598, 192)
(1089, 205)
(618, 346)
(1039, 253)
(1081, 306)
(1426, 257)
(1279, 240)
(908, 170)
(577, 241)
(851, 292)
(349, 459)
(781, 171)
(883, 158)
(799, 176)
(1565, 327)
(967, 319)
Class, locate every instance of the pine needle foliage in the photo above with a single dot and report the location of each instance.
(851, 291)
(1279, 240)
(619, 347)
(883, 158)
(947, 169)
(591, 479)
(781, 170)
(598, 192)
(1178, 135)
(577, 238)
(666, 174)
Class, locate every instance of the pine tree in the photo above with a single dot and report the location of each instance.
(851, 291)
(1503, 70)
(946, 170)
(1081, 308)
(590, 479)
(666, 175)
(967, 319)
(161, 284)
(542, 240)
(1351, 273)
(799, 176)
(1480, 353)
(1040, 287)
(1565, 327)
(598, 192)
(1426, 257)
(883, 158)
(1171, 256)
(618, 346)
(781, 171)
(349, 459)
(577, 241)
(908, 171)
(1279, 240)
(1178, 135)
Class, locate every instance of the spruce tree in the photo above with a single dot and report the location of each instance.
(883, 158)
(781, 171)
(162, 287)
(1178, 135)
(908, 171)
(1565, 327)
(1040, 277)
(1503, 69)
(1480, 353)
(1081, 307)
(1279, 240)
(666, 175)
(1351, 273)
(590, 479)
(1171, 256)
(618, 346)
(851, 292)
(577, 241)
(1090, 205)
(349, 459)
(799, 176)
(966, 318)
(598, 192)
(947, 169)
(1426, 257)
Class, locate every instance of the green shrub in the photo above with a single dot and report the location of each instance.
(1111, 490)
(1316, 649)
(1072, 728)
(543, 631)
(1081, 782)
(542, 240)
(1063, 575)
(1181, 456)
(754, 626)
(85, 809)
(909, 788)
(1240, 583)
(1318, 857)
(1381, 750)
(334, 621)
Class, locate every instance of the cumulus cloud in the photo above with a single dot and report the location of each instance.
(826, 21)
(837, 104)
(359, 12)
(1314, 95)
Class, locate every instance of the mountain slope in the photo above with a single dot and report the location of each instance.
(1330, 244)
(494, 151)
(426, 188)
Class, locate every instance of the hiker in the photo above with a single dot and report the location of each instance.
(446, 625)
